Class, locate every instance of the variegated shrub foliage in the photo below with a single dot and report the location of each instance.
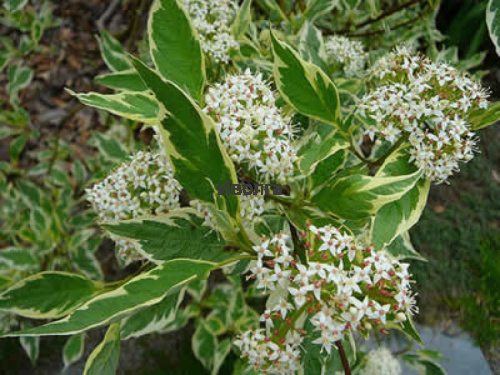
(272, 92)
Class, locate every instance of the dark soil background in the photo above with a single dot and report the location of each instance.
(457, 219)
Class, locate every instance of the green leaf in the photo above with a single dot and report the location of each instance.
(204, 344)
(152, 319)
(481, 118)
(317, 8)
(79, 173)
(131, 105)
(18, 259)
(178, 234)
(104, 359)
(112, 53)
(221, 353)
(493, 22)
(19, 78)
(73, 349)
(175, 47)
(408, 328)
(111, 148)
(14, 5)
(127, 80)
(30, 193)
(402, 248)
(192, 142)
(17, 146)
(84, 259)
(320, 143)
(242, 20)
(30, 345)
(358, 196)
(145, 290)
(47, 295)
(399, 216)
(304, 85)
(311, 45)
(419, 363)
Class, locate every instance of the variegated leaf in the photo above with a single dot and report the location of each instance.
(47, 295)
(311, 45)
(104, 359)
(152, 319)
(304, 85)
(402, 248)
(30, 345)
(317, 8)
(204, 344)
(493, 22)
(242, 20)
(399, 216)
(18, 259)
(131, 105)
(358, 196)
(178, 234)
(112, 53)
(192, 142)
(221, 353)
(127, 80)
(145, 290)
(73, 349)
(320, 143)
(481, 118)
(175, 47)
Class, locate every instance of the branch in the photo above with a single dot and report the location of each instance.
(343, 357)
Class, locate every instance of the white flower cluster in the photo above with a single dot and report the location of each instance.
(211, 18)
(381, 362)
(144, 185)
(343, 287)
(347, 52)
(253, 130)
(429, 103)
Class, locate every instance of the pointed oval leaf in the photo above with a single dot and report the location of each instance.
(104, 359)
(192, 142)
(175, 47)
(47, 295)
(304, 85)
(142, 291)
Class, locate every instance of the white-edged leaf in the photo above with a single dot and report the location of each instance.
(493, 22)
(175, 47)
(73, 349)
(192, 142)
(242, 20)
(152, 319)
(126, 80)
(221, 353)
(142, 291)
(304, 85)
(18, 259)
(31, 346)
(112, 53)
(178, 234)
(47, 295)
(135, 106)
(104, 359)
(481, 118)
(204, 344)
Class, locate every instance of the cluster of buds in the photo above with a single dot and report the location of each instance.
(349, 54)
(143, 185)
(253, 129)
(428, 103)
(211, 18)
(344, 287)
